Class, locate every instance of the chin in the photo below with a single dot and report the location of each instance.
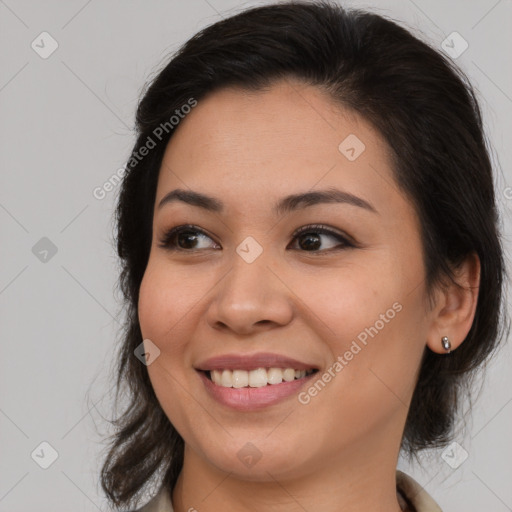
(260, 461)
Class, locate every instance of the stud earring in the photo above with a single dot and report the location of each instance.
(446, 344)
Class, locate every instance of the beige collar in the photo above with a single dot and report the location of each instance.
(415, 494)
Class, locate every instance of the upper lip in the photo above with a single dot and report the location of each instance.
(252, 362)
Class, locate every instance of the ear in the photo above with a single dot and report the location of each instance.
(455, 306)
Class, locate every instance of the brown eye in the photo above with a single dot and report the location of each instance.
(310, 238)
(184, 238)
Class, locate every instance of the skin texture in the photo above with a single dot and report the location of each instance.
(338, 452)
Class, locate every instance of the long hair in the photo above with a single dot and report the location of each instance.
(426, 110)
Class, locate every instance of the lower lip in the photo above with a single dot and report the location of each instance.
(249, 399)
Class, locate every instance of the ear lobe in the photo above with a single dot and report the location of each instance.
(456, 307)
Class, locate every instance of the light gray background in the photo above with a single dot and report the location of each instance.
(65, 128)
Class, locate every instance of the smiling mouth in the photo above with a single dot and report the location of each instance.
(257, 378)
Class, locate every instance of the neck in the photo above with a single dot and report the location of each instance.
(363, 478)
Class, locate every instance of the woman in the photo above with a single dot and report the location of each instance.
(311, 265)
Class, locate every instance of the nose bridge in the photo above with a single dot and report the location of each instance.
(250, 293)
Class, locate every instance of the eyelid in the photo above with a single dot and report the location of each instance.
(323, 229)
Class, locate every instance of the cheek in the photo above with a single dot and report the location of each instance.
(164, 302)
(162, 308)
(151, 306)
(371, 315)
(348, 299)
(159, 314)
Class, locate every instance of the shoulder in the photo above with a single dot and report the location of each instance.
(161, 502)
(415, 493)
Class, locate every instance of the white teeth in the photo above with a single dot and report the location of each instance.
(240, 378)
(289, 374)
(226, 379)
(255, 378)
(215, 376)
(275, 375)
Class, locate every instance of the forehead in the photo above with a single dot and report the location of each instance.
(260, 146)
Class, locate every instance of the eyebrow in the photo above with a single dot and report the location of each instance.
(285, 205)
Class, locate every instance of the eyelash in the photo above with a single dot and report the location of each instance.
(166, 242)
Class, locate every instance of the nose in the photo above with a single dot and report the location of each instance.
(251, 297)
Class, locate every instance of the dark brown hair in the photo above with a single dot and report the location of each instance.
(426, 110)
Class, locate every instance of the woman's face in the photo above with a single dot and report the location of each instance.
(348, 302)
